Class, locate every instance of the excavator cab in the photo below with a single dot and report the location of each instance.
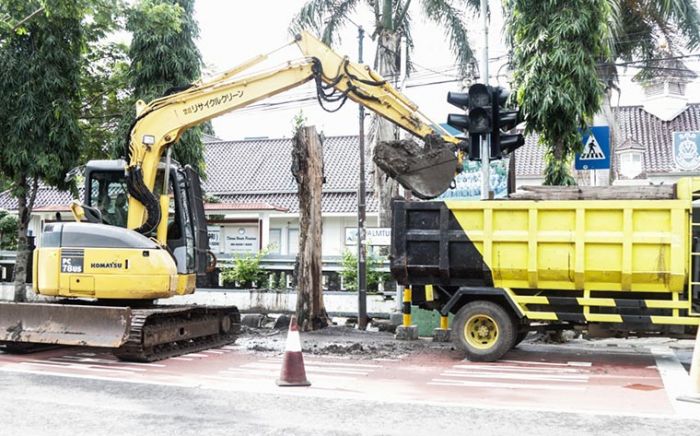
(187, 240)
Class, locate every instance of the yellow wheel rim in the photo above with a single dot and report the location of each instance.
(481, 332)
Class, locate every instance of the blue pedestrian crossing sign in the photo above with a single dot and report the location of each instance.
(596, 150)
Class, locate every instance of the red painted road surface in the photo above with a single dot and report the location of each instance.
(562, 380)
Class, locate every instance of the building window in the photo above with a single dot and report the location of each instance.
(293, 243)
(275, 241)
(631, 164)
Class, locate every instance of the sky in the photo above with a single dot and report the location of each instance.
(232, 31)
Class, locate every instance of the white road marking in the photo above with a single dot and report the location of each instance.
(107, 361)
(309, 368)
(214, 352)
(497, 385)
(511, 376)
(195, 355)
(181, 358)
(525, 362)
(78, 367)
(320, 363)
(676, 380)
(271, 375)
(10, 368)
(497, 367)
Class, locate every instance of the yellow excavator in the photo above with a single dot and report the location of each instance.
(141, 233)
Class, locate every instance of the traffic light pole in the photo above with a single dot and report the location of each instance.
(485, 148)
(361, 215)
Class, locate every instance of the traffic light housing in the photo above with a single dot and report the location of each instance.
(478, 119)
(502, 121)
(486, 115)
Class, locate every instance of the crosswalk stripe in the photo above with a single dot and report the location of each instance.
(506, 376)
(498, 385)
(80, 367)
(321, 363)
(309, 368)
(525, 362)
(557, 370)
(106, 361)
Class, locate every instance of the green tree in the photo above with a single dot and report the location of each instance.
(39, 105)
(392, 21)
(556, 47)
(164, 58)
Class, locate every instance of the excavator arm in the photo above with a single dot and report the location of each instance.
(427, 171)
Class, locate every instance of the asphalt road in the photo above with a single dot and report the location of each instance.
(47, 405)
(538, 389)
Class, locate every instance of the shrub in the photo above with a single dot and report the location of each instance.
(349, 272)
(246, 271)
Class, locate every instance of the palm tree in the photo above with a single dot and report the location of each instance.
(392, 21)
(637, 27)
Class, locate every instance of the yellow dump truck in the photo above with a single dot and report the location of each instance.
(505, 267)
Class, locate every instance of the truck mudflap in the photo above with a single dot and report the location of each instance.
(64, 324)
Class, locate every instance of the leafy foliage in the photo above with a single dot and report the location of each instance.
(246, 271)
(39, 104)
(164, 56)
(349, 271)
(327, 17)
(557, 45)
(8, 231)
(39, 99)
(104, 81)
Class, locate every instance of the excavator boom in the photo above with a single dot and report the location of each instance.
(425, 170)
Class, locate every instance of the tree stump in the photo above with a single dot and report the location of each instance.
(307, 168)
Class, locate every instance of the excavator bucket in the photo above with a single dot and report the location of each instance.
(65, 324)
(425, 171)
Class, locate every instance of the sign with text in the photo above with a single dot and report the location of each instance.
(374, 236)
(214, 233)
(242, 239)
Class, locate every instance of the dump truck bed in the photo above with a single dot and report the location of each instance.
(620, 245)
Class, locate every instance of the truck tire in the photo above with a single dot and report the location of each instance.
(520, 337)
(484, 330)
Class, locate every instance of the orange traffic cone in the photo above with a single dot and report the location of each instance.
(293, 372)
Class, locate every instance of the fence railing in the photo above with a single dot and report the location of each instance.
(271, 262)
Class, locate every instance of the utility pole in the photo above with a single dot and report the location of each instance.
(361, 215)
(485, 148)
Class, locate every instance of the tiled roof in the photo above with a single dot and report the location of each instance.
(529, 159)
(264, 165)
(656, 135)
(331, 202)
(259, 170)
(630, 144)
(241, 206)
(635, 124)
(46, 198)
(249, 173)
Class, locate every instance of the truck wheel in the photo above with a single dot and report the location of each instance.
(484, 330)
(520, 337)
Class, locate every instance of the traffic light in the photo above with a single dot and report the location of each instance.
(503, 120)
(478, 119)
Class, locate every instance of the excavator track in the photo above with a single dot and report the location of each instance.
(139, 334)
(163, 332)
